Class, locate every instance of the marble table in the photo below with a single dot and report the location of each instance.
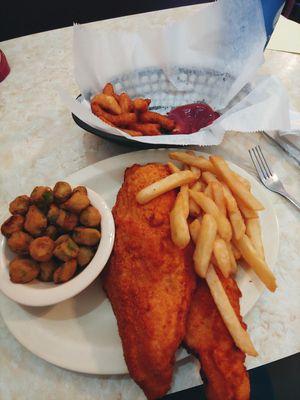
(39, 142)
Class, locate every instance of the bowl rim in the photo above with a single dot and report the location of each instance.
(28, 295)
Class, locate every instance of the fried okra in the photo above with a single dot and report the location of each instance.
(61, 239)
(62, 191)
(35, 221)
(90, 217)
(86, 236)
(47, 269)
(42, 196)
(66, 220)
(13, 224)
(53, 213)
(19, 242)
(65, 272)
(52, 232)
(66, 250)
(41, 249)
(23, 270)
(76, 203)
(84, 256)
(19, 205)
(80, 189)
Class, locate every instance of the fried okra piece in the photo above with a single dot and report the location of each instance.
(47, 269)
(19, 242)
(65, 272)
(86, 236)
(66, 220)
(19, 205)
(41, 249)
(52, 232)
(62, 191)
(80, 189)
(61, 239)
(42, 196)
(53, 213)
(90, 217)
(35, 221)
(84, 256)
(76, 203)
(23, 270)
(13, 224)
(66, 250)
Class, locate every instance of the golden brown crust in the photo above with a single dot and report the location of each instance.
(149, 282)
(222, 363)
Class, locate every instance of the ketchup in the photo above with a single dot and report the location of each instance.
(192, 117)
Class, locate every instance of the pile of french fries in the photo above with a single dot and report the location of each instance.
(130, 115)
(217, 211)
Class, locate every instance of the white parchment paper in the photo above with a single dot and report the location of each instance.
(209, 56)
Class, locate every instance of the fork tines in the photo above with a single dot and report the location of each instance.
(260, 162)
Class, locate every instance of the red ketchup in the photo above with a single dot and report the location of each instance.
(4, 67)
(192, 117)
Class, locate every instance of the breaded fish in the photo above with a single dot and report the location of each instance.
(222, 363)
(149, 282)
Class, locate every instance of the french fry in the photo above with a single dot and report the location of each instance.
(225, 172)
(125, 103)
(132, 132)
(141, 105)
(108, 89)
(234, 214)
(196, 161)
(230, 201)
(231, 256)
(147, 129)
(193, 208)
(254, 232)
(173, 168)
(237, 223)
(235, 251)
(208, 177)
(108, 103)
(208, 191)
(194, 229)
(218, 196)
(164, 185)
(121, 121)
(204, 245)
(210, 207)
(256, 263)
(198, 186)
(222, 256)
(238, 333)
(246, 211)
(242, 180)
(180, 233)
(153, 117)
(184, 190)
(196, 171)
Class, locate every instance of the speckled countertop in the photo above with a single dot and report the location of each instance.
(39, 142)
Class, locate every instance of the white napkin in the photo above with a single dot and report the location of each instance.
(208, 56)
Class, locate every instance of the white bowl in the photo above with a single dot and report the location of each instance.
(37, 293)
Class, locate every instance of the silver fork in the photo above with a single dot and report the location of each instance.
(267, 177)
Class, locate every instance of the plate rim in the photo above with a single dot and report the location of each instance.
(93, 171)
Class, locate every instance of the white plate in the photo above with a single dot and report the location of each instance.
(81, 334)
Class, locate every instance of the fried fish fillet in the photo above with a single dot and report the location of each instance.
(222, 363)
(149, 282)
